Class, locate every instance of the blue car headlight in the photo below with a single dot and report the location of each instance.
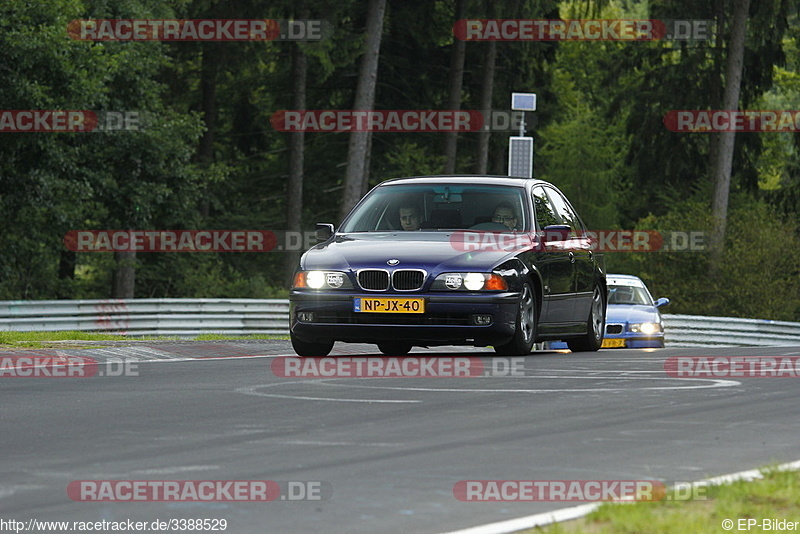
(646, 328)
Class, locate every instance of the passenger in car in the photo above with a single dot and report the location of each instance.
(504, 214)
(409, 217)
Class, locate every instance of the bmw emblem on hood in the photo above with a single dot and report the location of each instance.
(393, 262)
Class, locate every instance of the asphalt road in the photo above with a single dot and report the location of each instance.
(386, 451)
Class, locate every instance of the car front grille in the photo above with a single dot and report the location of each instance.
(407, 280)
(614, 329)
(402, 279)
(373, 280)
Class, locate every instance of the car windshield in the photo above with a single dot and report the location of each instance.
(629, 295)
(439, 207)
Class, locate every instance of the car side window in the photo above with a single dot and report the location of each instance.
(565, 212)
(545, 215)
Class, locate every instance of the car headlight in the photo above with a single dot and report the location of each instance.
(646, 328)
(469, 282)
(322, 280)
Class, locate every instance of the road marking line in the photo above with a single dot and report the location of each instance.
(716, 383)
(251, 390)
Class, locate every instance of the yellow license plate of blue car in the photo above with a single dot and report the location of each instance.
(388, 305)
(613, 343)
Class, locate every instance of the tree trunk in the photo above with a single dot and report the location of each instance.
(355, 180)
(123, 280)
(294, 189)
(367, 163)
(487, 91)
(499, 165)
(454, 100)
(724, 163)
(716, 83)
(66, 272)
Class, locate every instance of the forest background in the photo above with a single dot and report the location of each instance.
(210, 158)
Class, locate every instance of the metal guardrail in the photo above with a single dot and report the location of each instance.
(191, 317)
(146, 317)
(700, 331)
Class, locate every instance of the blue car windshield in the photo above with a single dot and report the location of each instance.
(413, 207)
(629, 295)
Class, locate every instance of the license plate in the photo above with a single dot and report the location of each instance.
(613, 343)
(388, 305)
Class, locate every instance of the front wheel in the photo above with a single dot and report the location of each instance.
(525, 327)
(593, 339)
(306, 348)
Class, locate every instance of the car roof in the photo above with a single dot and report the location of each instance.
(624, 280)
(476, 179)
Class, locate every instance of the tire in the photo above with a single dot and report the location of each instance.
(525, 325)
(394, 348)
(593, 339)
(305, 348)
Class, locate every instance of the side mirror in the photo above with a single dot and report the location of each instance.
(662, 302)
(556, 232)
(323, 232)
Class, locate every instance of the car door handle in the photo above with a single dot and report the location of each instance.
(572, 257)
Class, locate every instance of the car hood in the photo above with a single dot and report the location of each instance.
(627, 313)
(433, 251)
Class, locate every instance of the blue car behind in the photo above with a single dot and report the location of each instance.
(633, 319)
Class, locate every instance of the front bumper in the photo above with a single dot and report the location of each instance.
(448, 318)
(634, 342)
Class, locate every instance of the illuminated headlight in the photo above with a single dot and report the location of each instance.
(315, 279)
(474, 281)
(646, 328)
(470, 282)
(321, 280)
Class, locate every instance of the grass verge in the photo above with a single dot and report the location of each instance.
(39, 340)
(751, 506)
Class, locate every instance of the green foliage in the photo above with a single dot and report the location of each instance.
(761, 277)
(701, 509)
(407, 158)
(582, 151)
(202, 275)
(51, 183)
(779, 163)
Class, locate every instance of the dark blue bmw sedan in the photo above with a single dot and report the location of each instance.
(450, 260)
